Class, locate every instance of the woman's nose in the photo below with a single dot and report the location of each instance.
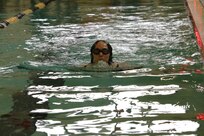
(100, 53)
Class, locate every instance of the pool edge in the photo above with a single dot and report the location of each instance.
(196, 14)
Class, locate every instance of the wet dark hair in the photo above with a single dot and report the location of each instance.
(110, 61)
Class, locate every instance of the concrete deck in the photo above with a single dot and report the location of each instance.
(196, 12)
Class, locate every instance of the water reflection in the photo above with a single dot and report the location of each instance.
(129, 29)
(19, 121)
(110, 110)
(113, 106)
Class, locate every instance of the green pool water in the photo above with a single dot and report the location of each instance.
(44, 93)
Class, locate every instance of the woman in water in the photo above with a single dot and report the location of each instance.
(102, 60)
(101, 55)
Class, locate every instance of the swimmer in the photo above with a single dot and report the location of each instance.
(102, 59)
(101, 55)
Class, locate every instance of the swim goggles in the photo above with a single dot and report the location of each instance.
(97, 51)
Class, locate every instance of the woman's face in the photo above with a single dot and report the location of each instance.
(101, 52)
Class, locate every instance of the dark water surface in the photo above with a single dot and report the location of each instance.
(42, 93)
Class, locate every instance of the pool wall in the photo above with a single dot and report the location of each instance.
(196, 14)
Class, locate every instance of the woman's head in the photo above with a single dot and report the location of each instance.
(101, 51)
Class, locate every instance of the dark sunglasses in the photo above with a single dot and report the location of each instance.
(97, 51)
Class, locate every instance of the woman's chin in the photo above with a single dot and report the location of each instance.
(102, 62)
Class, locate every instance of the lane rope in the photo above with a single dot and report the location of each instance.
(20, 15)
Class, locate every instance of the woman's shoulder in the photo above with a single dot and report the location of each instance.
(119, 65)
(86, 65)
(124, 66)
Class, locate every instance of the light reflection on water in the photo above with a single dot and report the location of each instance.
(113, 109)
(129, 127)
(121, 103)
(161, 98)
(131, 30)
